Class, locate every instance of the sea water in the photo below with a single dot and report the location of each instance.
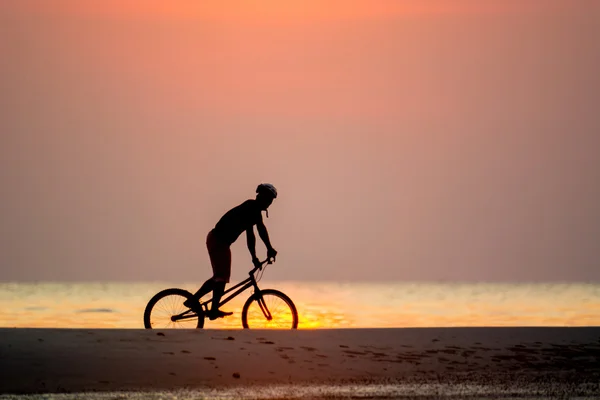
(319, 304)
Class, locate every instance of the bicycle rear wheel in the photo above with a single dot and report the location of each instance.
(166, 311)
(269, 309)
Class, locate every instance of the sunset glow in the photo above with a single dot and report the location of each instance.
(320, 306)
(277, 11)
(410, 140)
(370, 198)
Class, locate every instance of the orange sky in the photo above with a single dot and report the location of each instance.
(453, 142)
(281, 11)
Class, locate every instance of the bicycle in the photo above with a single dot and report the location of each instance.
(264, 309)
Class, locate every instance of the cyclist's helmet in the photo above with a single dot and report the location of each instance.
(268, 189)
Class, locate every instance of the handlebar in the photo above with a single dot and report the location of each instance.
(269, 260)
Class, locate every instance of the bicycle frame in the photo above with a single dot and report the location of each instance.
(241, 287)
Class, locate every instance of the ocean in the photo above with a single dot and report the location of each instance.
(319, 304)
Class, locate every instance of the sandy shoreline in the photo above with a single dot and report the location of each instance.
(81, 360)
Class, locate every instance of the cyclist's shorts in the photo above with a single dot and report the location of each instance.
(220, 258)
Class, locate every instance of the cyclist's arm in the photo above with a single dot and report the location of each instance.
(264, 235)
(251, 239)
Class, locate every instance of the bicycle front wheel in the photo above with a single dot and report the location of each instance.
(166, 311)
(269, 309)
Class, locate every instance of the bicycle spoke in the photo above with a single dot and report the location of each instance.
(278, 308)
(168, 307)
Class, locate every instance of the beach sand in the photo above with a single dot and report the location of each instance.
(517, 360)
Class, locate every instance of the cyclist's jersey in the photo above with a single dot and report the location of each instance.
(237, 220)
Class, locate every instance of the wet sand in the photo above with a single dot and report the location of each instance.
(387, 362)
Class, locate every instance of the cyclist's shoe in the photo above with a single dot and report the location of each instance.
(212, 315)
(193, 304)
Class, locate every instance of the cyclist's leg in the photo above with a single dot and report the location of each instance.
(219, 289)
(215, 252)
(220, 259)
(205, 289)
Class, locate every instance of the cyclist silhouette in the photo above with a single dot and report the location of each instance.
(219, 240)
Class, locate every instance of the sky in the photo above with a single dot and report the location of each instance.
(409, 140)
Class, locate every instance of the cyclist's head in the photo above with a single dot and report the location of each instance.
(266, 193)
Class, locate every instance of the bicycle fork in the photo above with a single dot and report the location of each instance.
(263, 307)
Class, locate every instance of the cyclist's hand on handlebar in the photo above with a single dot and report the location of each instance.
(271, 253)
(256, 262)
